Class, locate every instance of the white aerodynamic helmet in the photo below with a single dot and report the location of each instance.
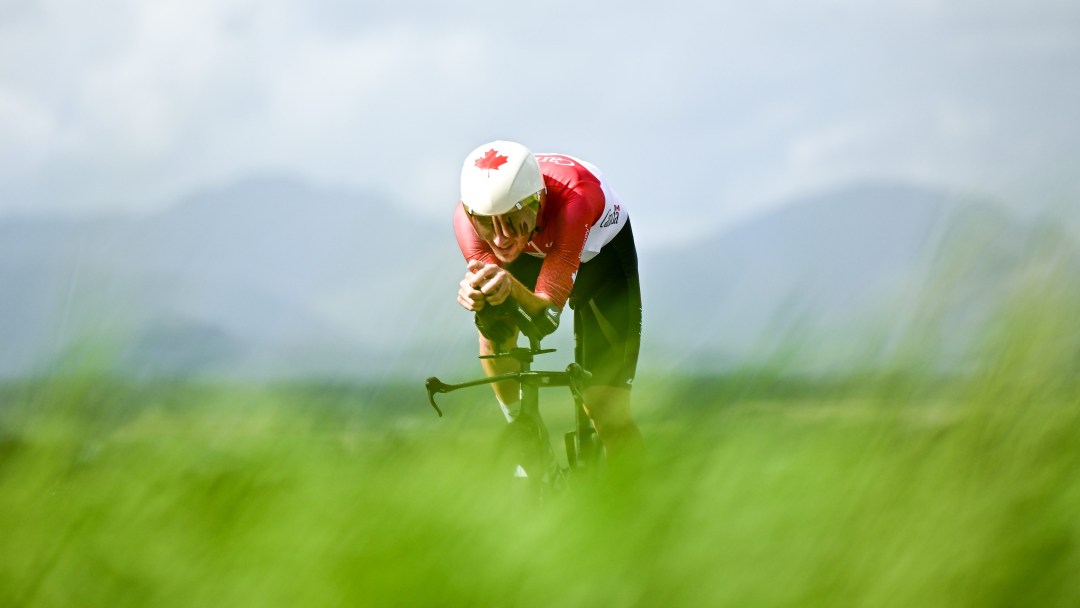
(497, 176)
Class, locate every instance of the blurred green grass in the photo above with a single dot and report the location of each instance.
(877, 489)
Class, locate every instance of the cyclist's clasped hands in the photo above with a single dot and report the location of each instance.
(483, 284)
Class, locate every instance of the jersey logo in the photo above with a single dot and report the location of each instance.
(611, 218)
(491, 160)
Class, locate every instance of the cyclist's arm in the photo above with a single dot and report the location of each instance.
(532, 302)
(568, 233)
(472, 247)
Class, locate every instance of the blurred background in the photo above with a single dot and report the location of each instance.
(227, 265)
(264, 189)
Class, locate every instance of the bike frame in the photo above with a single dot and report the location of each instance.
(581, 444)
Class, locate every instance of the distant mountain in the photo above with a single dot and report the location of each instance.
(852, 277)
(274, 277)
(264, 277)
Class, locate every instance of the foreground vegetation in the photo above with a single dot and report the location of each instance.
(880, 490)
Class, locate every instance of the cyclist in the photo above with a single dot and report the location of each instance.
(547, 229)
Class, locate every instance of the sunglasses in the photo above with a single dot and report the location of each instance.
(519, 222)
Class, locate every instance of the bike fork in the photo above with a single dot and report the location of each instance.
(530, 409)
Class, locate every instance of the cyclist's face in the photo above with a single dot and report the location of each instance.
(508, 234)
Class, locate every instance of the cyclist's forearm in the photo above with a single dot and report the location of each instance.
(531, 302)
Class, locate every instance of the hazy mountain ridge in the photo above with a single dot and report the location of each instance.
(844, 277)
(257, 264)
(274, 277)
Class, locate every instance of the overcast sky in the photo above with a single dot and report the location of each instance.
(701, 113)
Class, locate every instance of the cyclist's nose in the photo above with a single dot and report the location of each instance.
(502, 235)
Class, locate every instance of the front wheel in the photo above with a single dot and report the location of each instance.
(520, 445)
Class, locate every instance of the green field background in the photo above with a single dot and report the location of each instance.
(899, 487)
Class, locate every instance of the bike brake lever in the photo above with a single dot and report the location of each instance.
(579, 378)
(434, 385)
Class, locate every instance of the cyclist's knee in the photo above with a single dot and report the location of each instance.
(609, 408)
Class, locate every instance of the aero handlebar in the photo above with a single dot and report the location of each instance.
(575, 377)
(498, 322)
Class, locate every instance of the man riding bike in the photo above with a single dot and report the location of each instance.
(575, 235)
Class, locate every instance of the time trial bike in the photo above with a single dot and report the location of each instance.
(526, 440)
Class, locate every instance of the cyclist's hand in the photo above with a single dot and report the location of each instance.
(469, 297)
(476, 275)
(492, 281)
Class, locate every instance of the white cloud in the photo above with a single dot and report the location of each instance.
(137, 103)
(26, 128)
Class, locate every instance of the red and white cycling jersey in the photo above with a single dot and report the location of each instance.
(582, 214)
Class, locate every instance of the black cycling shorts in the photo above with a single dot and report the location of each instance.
(606, 300)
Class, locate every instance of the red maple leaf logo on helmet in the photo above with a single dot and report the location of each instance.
(491, 160)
